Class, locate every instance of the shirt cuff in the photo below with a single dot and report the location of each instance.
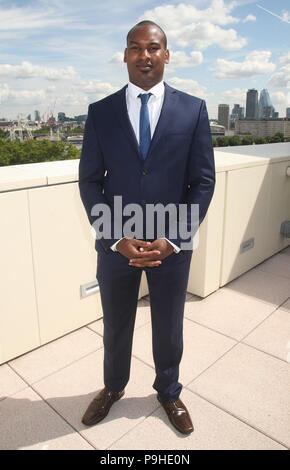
(176, 248)
(114, 247)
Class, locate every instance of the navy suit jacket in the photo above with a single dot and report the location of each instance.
(179, 167)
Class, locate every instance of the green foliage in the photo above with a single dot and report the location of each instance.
(260, 140)
(278, 137)
(214, 144)
(75, 130)
(42, 130)
(222, 141)
(235, 140)
(247, 140)
(3, 134)
(32, 151)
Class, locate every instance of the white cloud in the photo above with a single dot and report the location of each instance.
(117, 58)
(179, 59)
(20, 97)
(28, 70)
(188, 86)
(255, 63)
(187, 25)
(249, 18)
(235, 95)
(281, 78)
(96, 87)
(278, 98)
(285, 59)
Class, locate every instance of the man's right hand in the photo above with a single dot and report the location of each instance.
(128, 247)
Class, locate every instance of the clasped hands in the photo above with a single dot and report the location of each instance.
(150, 254)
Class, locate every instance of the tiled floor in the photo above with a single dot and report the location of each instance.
(234, 371)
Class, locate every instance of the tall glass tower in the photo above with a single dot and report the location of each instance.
(252, 104)
(265, 107)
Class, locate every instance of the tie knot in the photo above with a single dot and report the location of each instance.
(144, 97)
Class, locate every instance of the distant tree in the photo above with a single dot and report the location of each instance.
(222, 141)
(75, 130)
(214, 142)
(260, 140)
(3, 134)
(235, 140)
(42, 130)
(278, 137)
(247, 140)
(32, 151)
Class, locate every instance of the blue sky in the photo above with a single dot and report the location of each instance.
(62, 55)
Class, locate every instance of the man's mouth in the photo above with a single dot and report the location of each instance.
(144, 67)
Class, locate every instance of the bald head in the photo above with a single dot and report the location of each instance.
(141, 24)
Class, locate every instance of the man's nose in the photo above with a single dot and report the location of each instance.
(145, 53)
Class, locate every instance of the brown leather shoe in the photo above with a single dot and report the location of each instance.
(178, 415)
(100, 406)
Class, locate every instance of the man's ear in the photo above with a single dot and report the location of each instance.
(125, 55)
(166, 56)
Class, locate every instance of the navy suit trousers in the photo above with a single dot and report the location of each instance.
(119, 287)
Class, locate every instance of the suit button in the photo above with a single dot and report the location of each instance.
(144, 172)
(143, 202)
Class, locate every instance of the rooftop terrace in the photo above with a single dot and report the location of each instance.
(234, 372)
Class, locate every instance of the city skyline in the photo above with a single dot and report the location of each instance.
(65, 55)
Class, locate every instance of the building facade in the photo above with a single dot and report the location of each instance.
(265, 108)
(252, 104)
(223, 115)
(262, 128)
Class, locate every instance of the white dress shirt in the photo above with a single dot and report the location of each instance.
(155, 103)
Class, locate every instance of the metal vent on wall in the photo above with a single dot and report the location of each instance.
(285, 228)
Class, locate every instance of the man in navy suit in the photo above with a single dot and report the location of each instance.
(147, 144)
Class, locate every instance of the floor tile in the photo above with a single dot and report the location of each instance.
(286, 251)
(27, 422)
(214, 429)
(228, 312)
(277, 265)
(251, 385)
(10, 382)
(273, 335)
(202, 347)
(70, 391)
(262, 286)
(55, 355)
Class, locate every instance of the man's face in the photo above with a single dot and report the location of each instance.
(146, 56)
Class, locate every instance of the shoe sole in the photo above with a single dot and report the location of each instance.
(96, 421)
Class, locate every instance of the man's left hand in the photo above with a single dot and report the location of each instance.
(159, 244)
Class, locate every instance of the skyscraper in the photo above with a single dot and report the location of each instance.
(37, 116)
(252, 104)
(288, 113)
(237, 112)
(265, 107)
(223, 115)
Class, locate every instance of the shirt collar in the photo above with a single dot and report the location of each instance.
(156, 90)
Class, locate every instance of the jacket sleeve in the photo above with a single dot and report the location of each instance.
(200, 177)
(91, 175)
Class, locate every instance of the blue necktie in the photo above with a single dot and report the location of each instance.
(145, 135)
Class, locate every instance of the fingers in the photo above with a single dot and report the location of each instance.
(142, 243)
(147, 255)
(144, 264)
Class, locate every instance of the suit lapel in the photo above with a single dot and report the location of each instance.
(121, 111)
(166, 116)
